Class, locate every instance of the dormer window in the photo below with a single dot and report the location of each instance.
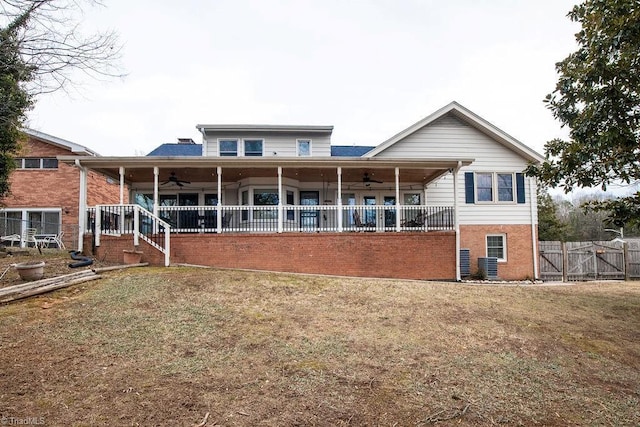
(253, 147)
(228, 147)
(304, 147)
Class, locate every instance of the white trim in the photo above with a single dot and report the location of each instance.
(71, 146)
(504, 245)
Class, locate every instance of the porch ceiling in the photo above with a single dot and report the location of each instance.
(204, 169)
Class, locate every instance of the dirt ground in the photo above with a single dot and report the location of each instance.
(194, 346)
(56, 263)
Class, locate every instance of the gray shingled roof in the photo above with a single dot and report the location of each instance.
(177, 150)
(349, 150)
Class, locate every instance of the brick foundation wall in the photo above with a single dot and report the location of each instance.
(519, 264)
(428, 256)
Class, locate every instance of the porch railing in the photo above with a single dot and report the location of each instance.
(265, 219)
(130, 219)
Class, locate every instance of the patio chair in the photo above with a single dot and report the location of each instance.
(418, 221)
(226, 219)
(57, 240)
(12, 238)
(358, 221)
(29, 236)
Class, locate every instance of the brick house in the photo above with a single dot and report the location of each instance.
(431, 202)
(44, 192)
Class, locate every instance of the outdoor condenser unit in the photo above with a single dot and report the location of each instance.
(490, 266)
(465, 262)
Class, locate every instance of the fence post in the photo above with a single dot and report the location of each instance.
(625, 259)
(565, 262)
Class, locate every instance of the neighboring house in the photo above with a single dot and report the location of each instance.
(44, 193)
(283, 198)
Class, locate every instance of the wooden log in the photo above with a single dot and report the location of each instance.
(48, 288)
(36, 283)
(119, 267)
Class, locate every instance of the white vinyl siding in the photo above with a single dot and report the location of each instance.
(449, 138)
(275, 144)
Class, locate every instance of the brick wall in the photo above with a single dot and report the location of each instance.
(519, 264)
(397, 255)
(56, 188)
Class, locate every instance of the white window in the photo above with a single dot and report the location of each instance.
(36, 163)
(228, 147)
(505, 187)
(304, 147)
(484, 187)
(253, 147)
(492, 187)
(497, 246)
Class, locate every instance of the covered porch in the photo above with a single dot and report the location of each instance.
(206, 196)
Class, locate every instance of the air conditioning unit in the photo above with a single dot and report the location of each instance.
(490, 266)
(465, 262)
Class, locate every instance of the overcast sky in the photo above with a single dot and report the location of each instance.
(369, 68)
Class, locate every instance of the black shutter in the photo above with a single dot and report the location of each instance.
(520, 187)
(469, 188)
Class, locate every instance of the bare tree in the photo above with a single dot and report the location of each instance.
(50, 41)
(41, 47)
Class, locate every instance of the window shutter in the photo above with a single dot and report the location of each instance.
(520, 187)
(469, 188)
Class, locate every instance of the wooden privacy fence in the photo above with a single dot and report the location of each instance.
(574, 261)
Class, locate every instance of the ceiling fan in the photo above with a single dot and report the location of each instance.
(174, 179)
(368, 180)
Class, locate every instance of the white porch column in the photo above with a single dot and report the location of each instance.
(156, 174)
(219, 207)
(121, 185)
(121, 216)
(398, 205)
(456, 220)
(280, 210)
(339, 199)
(82, 205)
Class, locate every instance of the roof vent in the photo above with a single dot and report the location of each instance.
(185, 141)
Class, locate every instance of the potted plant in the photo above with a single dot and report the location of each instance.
(30, 270)
(132, 256)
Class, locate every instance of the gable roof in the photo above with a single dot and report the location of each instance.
(177, 150)
(63, 143)
(470, 118)
(349, 150)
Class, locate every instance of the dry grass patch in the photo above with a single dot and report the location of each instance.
(166, 346)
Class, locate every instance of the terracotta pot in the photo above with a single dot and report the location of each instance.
(132, 256)
(32, 270)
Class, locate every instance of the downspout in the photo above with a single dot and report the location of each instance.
(280, 210)
(339, 199)
(456, 219)
(121, 170)
(534, 240)
(219, 207)
(82, 205)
